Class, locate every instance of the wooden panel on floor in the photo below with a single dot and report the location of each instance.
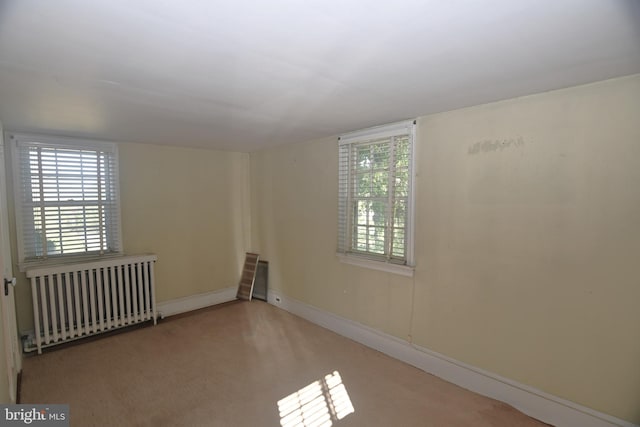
(248, 277)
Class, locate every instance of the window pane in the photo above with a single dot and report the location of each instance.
(378, 213)
(363, 212)
(380, 184)
(380, 155)
(398, 249)
(363, 184)
(402, 183)
(360, 238)
(363, 158)
(400, 213)
(403, 151)
(376, 239)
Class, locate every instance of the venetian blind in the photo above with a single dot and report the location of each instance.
(374, 193)
(68, 199)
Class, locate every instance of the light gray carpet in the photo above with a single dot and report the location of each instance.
(248, 364)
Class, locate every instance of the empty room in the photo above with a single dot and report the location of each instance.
(320, 213)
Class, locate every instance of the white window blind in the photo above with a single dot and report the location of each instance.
(67, 198)
(375, 193)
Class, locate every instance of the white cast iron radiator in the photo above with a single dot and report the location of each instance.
(78, 300)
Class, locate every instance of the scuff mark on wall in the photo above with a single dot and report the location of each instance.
(488, 145)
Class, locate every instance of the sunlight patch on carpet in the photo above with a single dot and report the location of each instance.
(317, 405)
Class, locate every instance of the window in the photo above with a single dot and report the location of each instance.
(67, 200)
(375, 211)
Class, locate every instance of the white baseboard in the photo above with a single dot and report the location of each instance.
(195, 302)
(535, 403)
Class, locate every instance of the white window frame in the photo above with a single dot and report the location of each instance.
(64, 142)
(344, 253)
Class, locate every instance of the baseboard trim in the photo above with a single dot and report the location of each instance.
(535, 403)
(195, 302)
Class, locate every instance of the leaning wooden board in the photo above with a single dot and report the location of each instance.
(248, 277)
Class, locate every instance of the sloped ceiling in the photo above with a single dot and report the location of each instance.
(247, 74)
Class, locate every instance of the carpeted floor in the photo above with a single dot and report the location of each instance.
(248, 364)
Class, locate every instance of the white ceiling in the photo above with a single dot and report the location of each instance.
(246, 74)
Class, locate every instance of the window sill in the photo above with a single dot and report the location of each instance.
(65, 260)
(403, 270)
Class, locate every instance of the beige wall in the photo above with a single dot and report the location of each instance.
(188, 206)
(527, 241)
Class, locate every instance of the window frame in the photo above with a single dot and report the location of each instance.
(60, 142)
(346, 252)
